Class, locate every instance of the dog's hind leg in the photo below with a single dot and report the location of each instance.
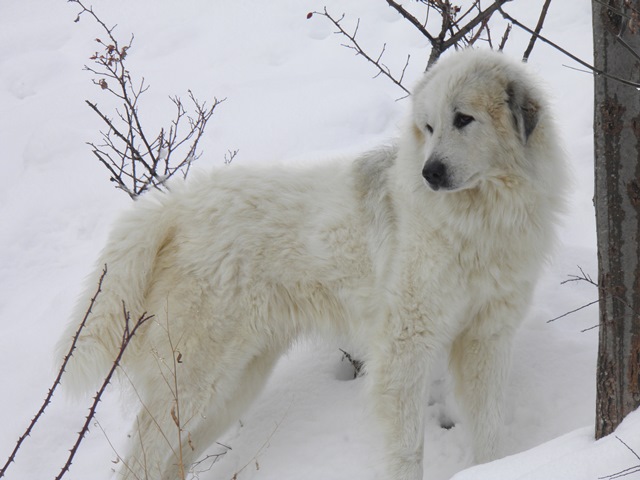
(221, 415)
(171, 433)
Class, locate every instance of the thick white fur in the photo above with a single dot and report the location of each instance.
(237, 264)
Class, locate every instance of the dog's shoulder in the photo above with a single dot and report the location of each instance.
(371, 171)
(373, 185)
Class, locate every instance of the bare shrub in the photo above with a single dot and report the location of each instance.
(137, 160)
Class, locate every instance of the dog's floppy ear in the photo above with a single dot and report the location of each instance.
(524, 109)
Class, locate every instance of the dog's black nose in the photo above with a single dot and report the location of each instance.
(435, 173)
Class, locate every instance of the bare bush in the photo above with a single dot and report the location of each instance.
(137, 160)
(128, 333)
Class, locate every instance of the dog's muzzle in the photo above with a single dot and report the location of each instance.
(436, 175)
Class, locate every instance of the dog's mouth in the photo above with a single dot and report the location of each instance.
(437, 188)
(448, 185)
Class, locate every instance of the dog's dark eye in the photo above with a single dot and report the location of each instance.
(461, 120)
(429, 128)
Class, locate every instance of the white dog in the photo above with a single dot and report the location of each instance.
(428, 248)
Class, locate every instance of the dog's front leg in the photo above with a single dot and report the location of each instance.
(398, 374)
(480, 361)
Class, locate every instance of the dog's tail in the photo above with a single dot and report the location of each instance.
(128, 259)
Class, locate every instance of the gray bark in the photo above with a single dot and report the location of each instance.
(616, 31)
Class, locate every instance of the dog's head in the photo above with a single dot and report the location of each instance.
(474, 116)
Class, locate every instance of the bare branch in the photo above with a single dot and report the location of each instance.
(355, 363)
(505, 37)
(404, 69)
(413, 20)
(573, 311)
(264, 445)
(452, 31)
(628, 47)
(229, 156)
(359, 51)
(56, 382)
(474, 6)
(483, 16)
(568, 54)
(127, 335)
(538, 29)
(626, 471)
(628, 447)
(128, 140)
(583, 277)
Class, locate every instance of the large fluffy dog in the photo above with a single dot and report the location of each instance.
(426, 248)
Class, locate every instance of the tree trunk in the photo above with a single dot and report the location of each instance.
(616, 31)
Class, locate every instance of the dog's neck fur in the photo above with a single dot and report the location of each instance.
(505, 206)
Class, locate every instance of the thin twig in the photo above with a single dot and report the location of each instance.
(359, 51)
(481, 17)
(452, 32)
(146, 408)
(626, 471)
(56, 382)
(127, 335)
(121, 136)
(573, 311)
(568, 54)
(628, 447)
(583, 277)
(214, 457)
(505, 37)
(265, 443)
(230, 155)
(119, 458)
(413, 20)
(355, 363)
(593, 327)
(628, 47)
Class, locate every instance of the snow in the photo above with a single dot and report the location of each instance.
(293, 94)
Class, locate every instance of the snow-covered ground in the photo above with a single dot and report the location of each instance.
(293, 95)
